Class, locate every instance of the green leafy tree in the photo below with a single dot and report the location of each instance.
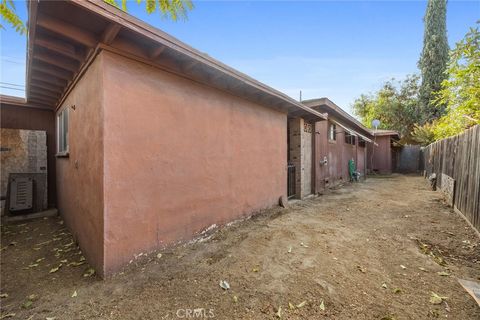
(424, 134)
(460, 92)
(171, 9)
(433, 59)
(395, 105)
(7, 13)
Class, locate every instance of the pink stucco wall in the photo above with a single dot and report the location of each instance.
(338, 154)
(180, 156)
(379, 157)
(80, 176)
(361, 157)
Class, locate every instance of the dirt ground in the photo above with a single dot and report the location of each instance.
(373, 250)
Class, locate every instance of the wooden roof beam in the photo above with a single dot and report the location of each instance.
(155, 53)
(237, 85)
(45, 86)
(48, 101)
(56, 61)
(189, 67)
(67, 30)
(39, 76)
(216, 77)
(56, 73)
(125, 44)
(43, 93)
(110, 32)
(58, 46)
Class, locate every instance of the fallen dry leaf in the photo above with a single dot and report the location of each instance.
(27, 304)
(436, 299)
(322, 306)
(76, 264)
(224, 285)
(55, 269)
(89, 272)
(279, 312)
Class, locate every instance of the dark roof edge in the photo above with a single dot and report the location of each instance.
(125, 20)
(20, 102)
(327, 102)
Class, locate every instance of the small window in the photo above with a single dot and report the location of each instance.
(349, 139)
(62, 132)
(332, 132)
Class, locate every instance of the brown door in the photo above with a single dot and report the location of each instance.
(321, 155)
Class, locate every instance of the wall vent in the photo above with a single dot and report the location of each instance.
(21, 194)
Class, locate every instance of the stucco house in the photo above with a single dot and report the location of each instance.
(150, 142)
(337, 141)
(154, 140)
(381, 154)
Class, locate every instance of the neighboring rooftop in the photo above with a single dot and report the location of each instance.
(382, 132)
(325, 105)
(19, 102)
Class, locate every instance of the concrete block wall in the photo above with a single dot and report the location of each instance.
(307, 148)
(23, 151)
(301, 147)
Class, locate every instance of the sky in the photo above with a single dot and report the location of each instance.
(334, 49)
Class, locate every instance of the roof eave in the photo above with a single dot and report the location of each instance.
(339, 112)
(127, 21)
(32, 23)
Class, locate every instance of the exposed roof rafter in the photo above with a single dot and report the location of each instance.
(56, 61)
(58, 46)
(47, 87)
(62, 74)
(67, 30)
(110, 33)
(44, 78)
(157, 52)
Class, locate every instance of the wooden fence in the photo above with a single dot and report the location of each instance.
(459, 158)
